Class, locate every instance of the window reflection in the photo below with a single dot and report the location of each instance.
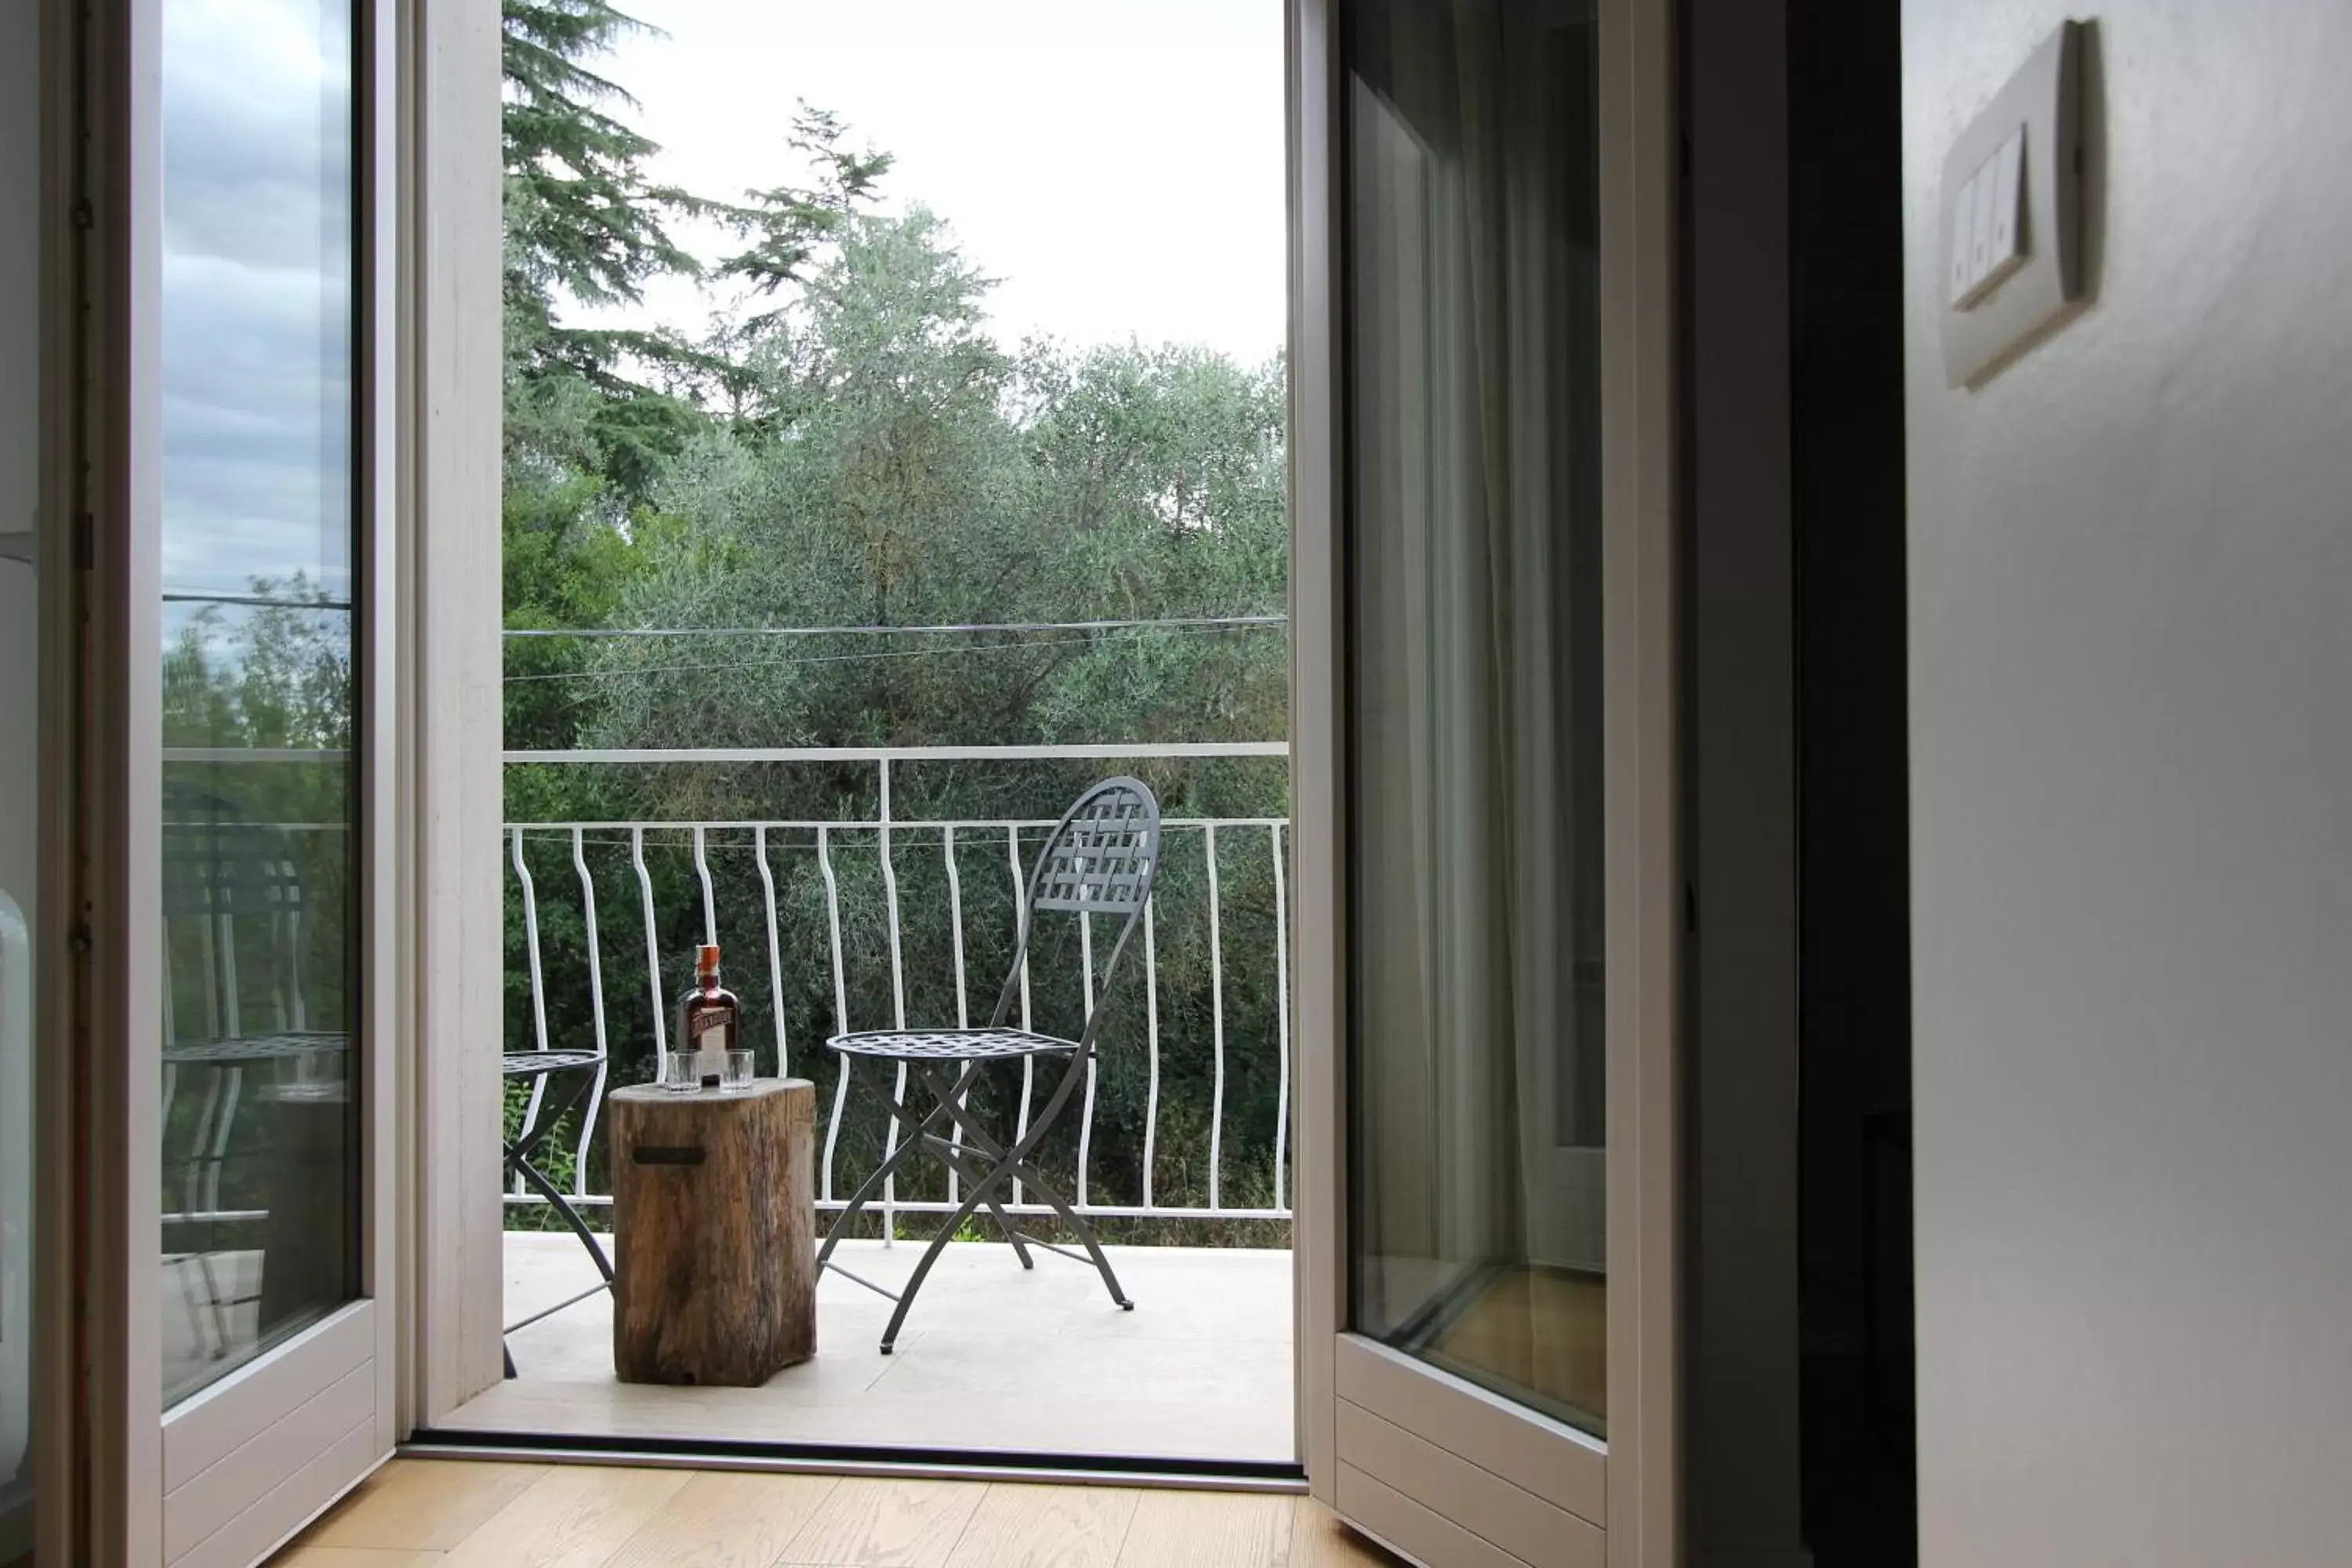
(1476, 864)
(258, 1122)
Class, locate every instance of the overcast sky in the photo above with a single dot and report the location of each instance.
(257, 298)
(1117, 163)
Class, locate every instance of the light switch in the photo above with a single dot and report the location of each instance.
(2014, 212)
(1980, 231)
(1991, 202)
(1961, 220)
(2008, 174)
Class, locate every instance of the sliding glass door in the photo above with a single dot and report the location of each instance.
(1474, 641)
(258, 1129)
(241, 1021)
(1496, 769)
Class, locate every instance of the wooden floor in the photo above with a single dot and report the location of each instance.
(993, 1357)
(461, 1514)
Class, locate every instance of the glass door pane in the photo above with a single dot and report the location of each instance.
(1474, 531)
(260, 1112)
(23, 140)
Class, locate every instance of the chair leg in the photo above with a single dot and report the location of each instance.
(972, 1163)
(1031, 1178)
(1006, 1164)
(1015, 1162)
(1016, 1165)
(518, 1163)
(873, 1184)
(951, 1097)
(972, 1206)
(563, 1207)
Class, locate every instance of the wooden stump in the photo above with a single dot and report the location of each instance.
(714, 1253)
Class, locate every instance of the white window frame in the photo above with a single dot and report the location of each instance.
(451, 720)
(227, 1474)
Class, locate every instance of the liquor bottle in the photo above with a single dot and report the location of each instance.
(709, 1020)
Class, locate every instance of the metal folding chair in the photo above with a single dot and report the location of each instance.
(1099, 861)
(547, 1064)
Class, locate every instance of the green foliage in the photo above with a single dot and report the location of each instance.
(273, 674)
(582, 221)
(854, 449)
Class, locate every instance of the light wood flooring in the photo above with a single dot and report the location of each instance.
(464, 1513)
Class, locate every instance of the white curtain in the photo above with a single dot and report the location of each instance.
(1475, 649)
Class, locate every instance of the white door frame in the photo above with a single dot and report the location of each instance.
(452, 914)
(1464, 1442)
(227, 1474)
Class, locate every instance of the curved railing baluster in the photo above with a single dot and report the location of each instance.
(963, 1002)
(653, 947)
(775, 950)
(1087, 1120)
(538, 990)
(1151, 1019)
(1028, 1063)
(1282, 1019)
(1217, 1017)
(710, 903)
(898, 1013)
(596, 1107)
(840, 1001)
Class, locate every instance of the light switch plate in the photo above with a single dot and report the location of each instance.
(1995, 232)
(2012, 216)
(2007, 250)
(1962, 286)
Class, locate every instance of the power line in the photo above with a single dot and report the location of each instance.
(1105, 625)
(843, 657)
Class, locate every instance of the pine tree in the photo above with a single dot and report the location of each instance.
(585, 224)
(583, 220)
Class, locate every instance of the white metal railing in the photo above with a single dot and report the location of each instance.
(886, 836)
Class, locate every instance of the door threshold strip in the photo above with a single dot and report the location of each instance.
(806, 1458)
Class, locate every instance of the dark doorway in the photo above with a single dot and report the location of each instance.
(1846, 451)
(1798, 1323)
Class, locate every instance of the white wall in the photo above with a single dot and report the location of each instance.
(2131, 689)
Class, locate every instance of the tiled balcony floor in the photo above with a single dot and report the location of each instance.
(992, 1358)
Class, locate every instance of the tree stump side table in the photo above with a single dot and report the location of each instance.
(714, 1252)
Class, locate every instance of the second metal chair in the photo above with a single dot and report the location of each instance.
(1099, 861)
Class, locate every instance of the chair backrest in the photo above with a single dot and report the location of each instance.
(233, 900)
(1099, 861)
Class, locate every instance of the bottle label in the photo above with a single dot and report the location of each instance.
(711, 1029)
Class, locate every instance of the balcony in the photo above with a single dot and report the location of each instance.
(1177, 1152)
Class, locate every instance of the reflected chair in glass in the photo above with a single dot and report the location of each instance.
(1098, 860)
(238, 921)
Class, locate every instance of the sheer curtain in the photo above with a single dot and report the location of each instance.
(1475, 644)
